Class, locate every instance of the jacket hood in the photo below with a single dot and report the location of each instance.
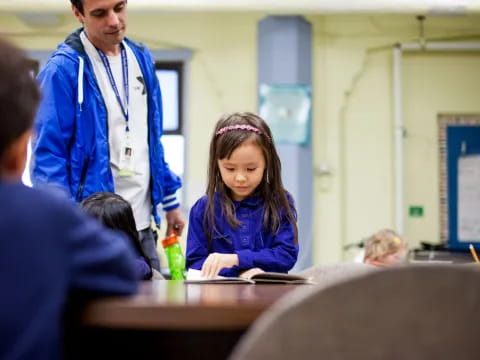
(73, 41)
(75, 51)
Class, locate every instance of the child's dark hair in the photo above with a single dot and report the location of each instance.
(115, 213)
(19, 95)
(247, 127)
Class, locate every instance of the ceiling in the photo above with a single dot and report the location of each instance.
(441, 7)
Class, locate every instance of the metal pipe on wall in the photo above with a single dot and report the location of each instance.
(398, 136)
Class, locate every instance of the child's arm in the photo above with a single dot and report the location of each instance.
(197, 255)
(144, 271)
(278, 256)
(197, 250)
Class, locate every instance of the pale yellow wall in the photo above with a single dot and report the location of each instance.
(222, 74)
(456, 77)
(352, 119)
(354, 131)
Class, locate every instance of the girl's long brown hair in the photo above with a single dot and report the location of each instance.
(270, 189)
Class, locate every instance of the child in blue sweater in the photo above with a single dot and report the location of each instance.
(50, 252)
(246, 222)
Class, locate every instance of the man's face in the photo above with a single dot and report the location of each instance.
(104, 22)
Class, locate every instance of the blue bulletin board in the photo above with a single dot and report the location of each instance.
(460, 180)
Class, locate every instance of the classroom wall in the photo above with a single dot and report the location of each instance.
(458, 94)
(352, 115)
(354, 125)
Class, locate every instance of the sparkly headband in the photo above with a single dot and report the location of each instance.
(241, 127)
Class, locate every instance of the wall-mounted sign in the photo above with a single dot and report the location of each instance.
(415, 211)
(287, 110)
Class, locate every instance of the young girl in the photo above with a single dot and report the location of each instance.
(246, 222)
(385, 248)
(116, 213)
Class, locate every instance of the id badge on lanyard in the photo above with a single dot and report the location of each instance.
(126, 158)
(126, 150)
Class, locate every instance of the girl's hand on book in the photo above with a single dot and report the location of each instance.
(215, 262)
(247, 274)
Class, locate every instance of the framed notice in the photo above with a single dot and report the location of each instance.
(287, 110)
(459, 145)
(468, 199)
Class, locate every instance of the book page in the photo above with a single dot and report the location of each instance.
(274, 277)
(195, 276)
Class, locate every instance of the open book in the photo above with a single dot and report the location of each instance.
(195, 277)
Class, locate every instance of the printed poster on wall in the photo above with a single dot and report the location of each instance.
(287, 109)
(469, 198)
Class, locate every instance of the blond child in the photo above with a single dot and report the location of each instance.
(385, 248)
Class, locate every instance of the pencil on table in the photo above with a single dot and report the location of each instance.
(474, 253)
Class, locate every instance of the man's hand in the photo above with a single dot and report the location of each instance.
(216, 262)
(175, 221)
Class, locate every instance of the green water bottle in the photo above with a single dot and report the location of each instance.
(175, 257)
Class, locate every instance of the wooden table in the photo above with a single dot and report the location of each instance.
(170, 320)
(454, 257)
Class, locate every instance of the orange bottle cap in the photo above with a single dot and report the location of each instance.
(172, 239)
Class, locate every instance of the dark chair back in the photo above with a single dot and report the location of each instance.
(411, 312)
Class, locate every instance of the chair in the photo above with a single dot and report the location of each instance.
(157, 275)
(412, 312)
(329, 274)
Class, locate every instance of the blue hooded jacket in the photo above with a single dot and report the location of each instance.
(70, 145)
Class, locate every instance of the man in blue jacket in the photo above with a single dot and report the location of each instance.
(50, 252)
(99, 124)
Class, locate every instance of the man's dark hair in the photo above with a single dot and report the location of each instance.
(78, 4)
(19, 95)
